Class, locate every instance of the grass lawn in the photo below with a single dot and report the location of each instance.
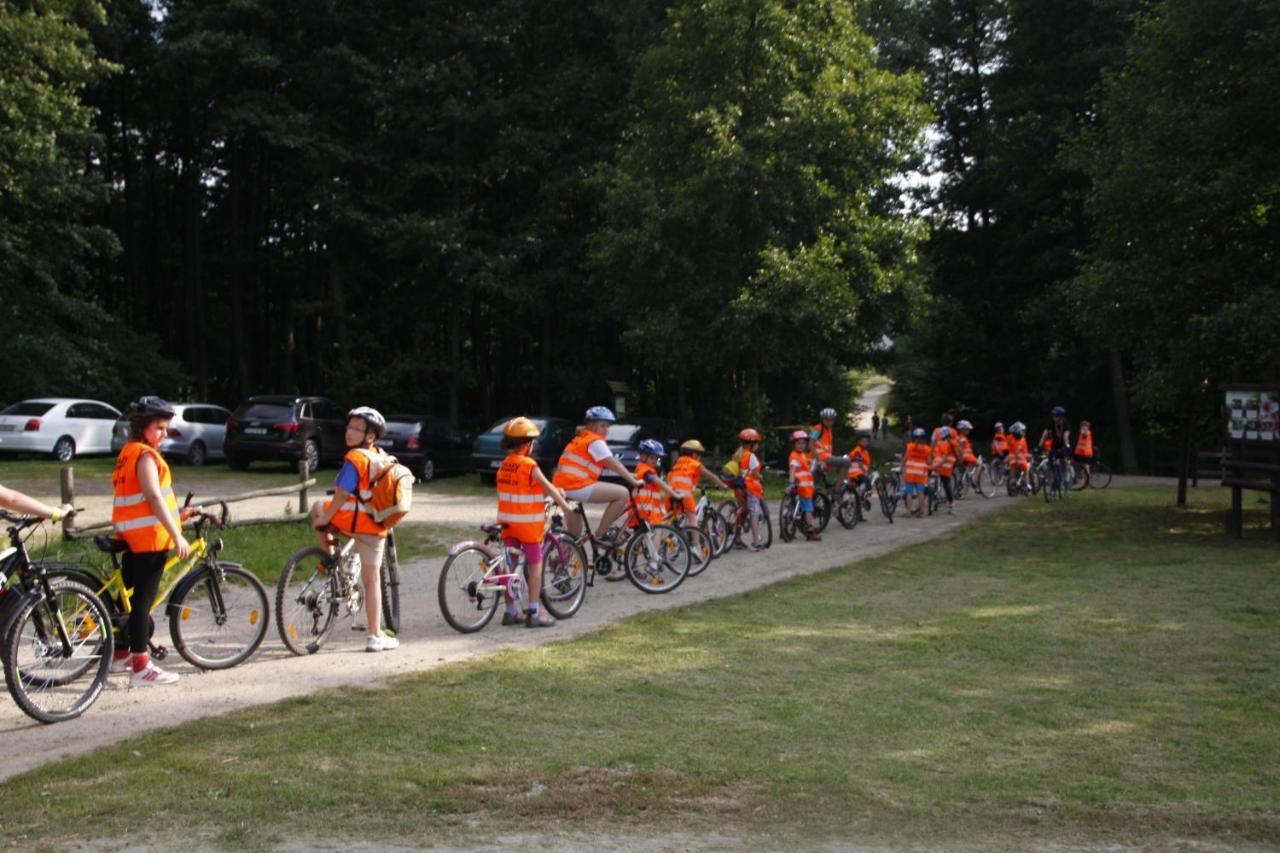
(1099, 671)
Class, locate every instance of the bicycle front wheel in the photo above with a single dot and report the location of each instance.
(1100, 476)
(821, 510)
(390, 581)
(57, 651)
(847, 510)
(220, 618)
(787, 518)
(701, 550)
(306, 603)
(564, 575)
(658, 559)
(466, 601)
(713, 524)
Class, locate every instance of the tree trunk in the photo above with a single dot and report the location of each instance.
(1184, 457)
(238, 262)
(544, 363)
(1124, 429)
(455, 360)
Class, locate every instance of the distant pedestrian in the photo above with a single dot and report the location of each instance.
(875, 423)
(907, 426)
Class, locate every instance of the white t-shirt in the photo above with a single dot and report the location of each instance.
(599, 450)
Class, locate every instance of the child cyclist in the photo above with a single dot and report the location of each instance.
(578, 474)
(915, 471)
(800, 474)
(344, 514)
(968, 459)
(686, 474)
(999, 442)
(748, 488)
(946, 453)
(521, 491)
(1019, 455)
(860, 467)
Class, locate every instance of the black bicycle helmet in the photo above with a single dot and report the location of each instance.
(150, 406)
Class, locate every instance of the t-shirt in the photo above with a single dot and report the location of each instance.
(348, 478)
(599, 450)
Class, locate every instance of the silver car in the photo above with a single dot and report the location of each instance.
(196, 433)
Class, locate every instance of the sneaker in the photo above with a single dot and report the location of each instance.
(151, 676)
(541, 619)
(951, 510)
(120, 666)
(381, 643)
(512, 618)
(754, 547)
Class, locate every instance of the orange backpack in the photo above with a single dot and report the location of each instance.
(391, 489)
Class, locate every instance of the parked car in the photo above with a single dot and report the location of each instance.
(487, 453)
(196, 433)
(285, 428)
(625, 436)
(427, 445)
(59, 426)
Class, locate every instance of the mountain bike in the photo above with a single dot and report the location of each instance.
(973, 478)
(315, 585)
(791, 516)
(655, 557)
(888, 487)
(218, 610)
(932, 492)
(1022, 482)
(713, 523)
(55, 633)
(476, 575)
(1099, 473)
(737, 518)
(851, 502)
(1050, 478)
(702, 550)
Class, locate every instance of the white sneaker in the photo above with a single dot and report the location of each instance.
(151, 676)
(381, 643)
(120, 666)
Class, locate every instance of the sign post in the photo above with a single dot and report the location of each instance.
(1251, 420)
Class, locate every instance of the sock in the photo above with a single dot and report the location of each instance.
(513, 609)
(532, 609)
(141, 660)
(119, 654)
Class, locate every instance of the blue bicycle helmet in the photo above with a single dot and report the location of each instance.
(1058, 410)
(600, 413)
(652, 447)
(917, 433)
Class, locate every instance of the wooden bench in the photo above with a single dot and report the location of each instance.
(1235, 477)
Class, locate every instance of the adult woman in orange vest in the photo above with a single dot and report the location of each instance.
(522, 488)
(748, 487)
(145, 515)
(578, 472)
(686, 474)
(915, 471)
(800, 474)
(343, 514)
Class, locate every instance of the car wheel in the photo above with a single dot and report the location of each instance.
(237, 463)
(197, 455)
(64, 449)
(428, 471)
(311, 455)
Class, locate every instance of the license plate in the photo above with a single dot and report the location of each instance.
(495, 463)
(6, 427)
(255, 431)
(385, 442)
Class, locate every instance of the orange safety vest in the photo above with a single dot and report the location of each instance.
(350, 518)
(801, 465)
(859, 462)
(1047, 445)
(944, 452)
(823, 443)
(1084, 442)
(521, 501)
(749, 466)
(131, 515)
(966, 450)
(684, 476)
(915, 467)
(1019, 454)
(576, 469)
(999, 444)
(650, 499)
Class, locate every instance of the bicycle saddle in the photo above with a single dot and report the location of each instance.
(494, 527)
(107, 545)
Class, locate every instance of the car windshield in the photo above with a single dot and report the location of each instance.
(27, 409)
(266, 411)
(623, 434)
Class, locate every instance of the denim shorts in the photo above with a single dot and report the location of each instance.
(806, 504)
(913, 488)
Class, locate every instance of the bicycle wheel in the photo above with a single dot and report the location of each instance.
(997, 471)
(1079, 476)
(984, 483)
(822, 510)
(564, 575)
(466, 602)
(47, 643)
(847, 510)
(701, 549)
(390, 583)
(959, 484)
(787, 518)
(306, 601)
(1100, 476)
(763, 524)
(658, 560)
(713, 524)
(220, 618)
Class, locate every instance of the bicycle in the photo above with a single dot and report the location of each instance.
(737, 516)
(1022, 482)
(55, 633)
(713, 523)
(655, 557)
(702, 550)
(218, 610)
(888, 488)
(1050, 478)
(932, 488)
(973, 477)
(850, 502)
(477, 574)
(315, 585)
(791, 516)
(1099, 473)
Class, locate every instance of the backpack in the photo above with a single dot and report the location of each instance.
(733, 468)
(391, 485)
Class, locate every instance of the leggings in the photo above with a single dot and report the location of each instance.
(141, 572)
(946, 487)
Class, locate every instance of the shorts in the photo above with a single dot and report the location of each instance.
(1084, 458)
(806, 504)
(913, 488)
(532, 550)
(689, 504)
(581, 495)
(753, 504)
(370, 547)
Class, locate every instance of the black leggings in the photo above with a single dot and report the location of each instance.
(141, 573)
(946, 487)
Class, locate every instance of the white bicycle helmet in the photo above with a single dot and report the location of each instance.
(964, 425)
(372, 417)
(827, 413)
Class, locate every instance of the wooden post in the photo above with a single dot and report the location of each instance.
(67, 484)
(1273, 497)
(303, 477)
(1235, 518)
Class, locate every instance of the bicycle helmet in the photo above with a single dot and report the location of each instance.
(749, 434)
(918, 432)
(1018, 428)
(827, 413)
(944, 433)
(693, 446)
(150, 406)
(1058, 410)
(372, 418)
(999, 426)
(652, 447)
(799, 434)
(521, 428)
(964, 425)
(600, 413)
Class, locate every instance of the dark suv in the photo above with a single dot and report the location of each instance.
(285, 428)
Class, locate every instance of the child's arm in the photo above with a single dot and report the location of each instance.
(706, 472)
(662, 484)
(553, 492)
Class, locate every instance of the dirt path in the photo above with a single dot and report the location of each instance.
(274, 674)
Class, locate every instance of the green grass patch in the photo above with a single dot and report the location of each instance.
(1103, 669)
